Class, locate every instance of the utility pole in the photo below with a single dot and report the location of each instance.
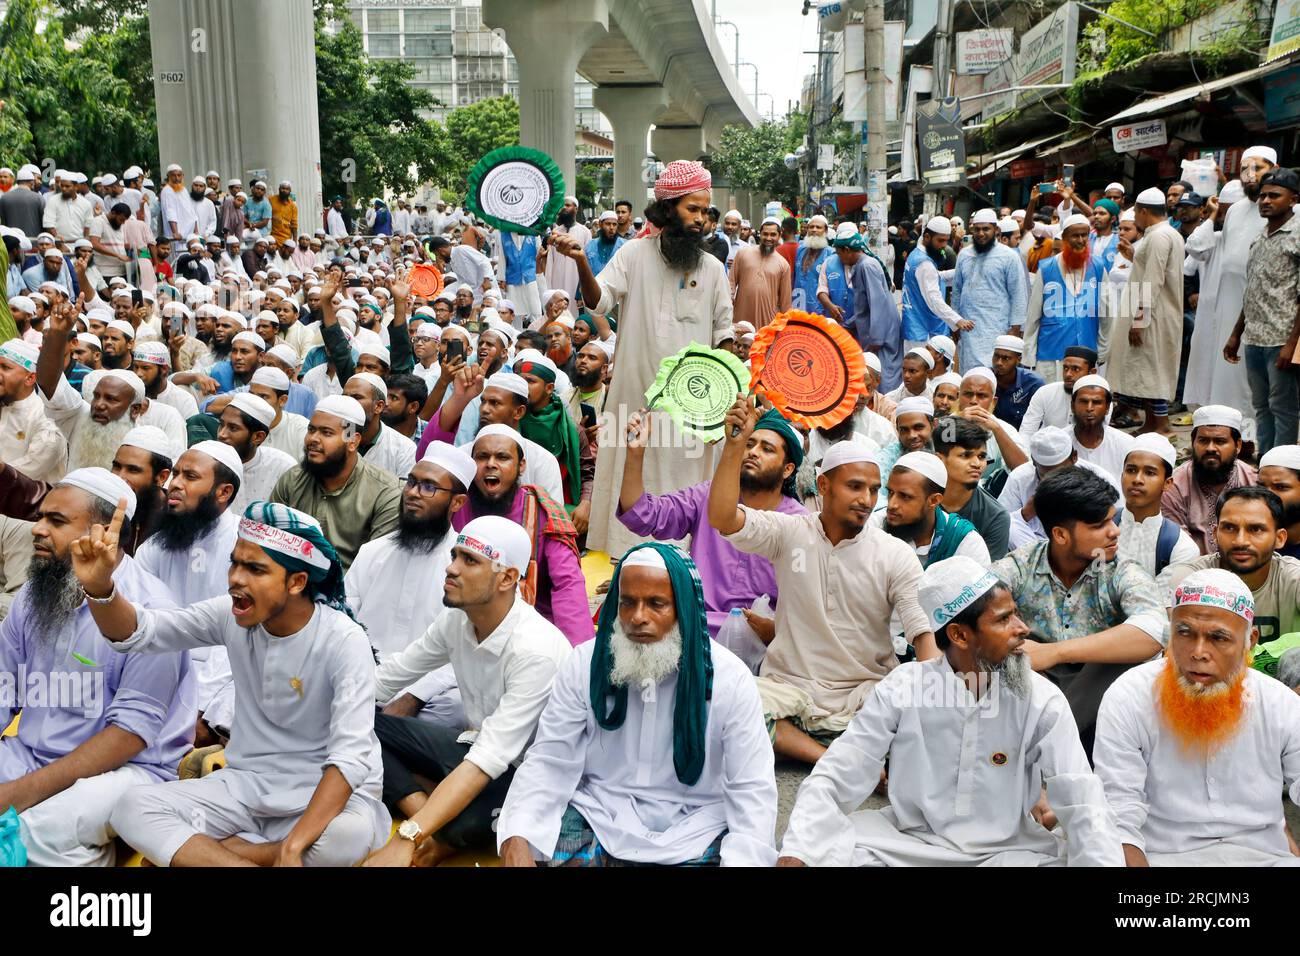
(943, 41)
(874, 61)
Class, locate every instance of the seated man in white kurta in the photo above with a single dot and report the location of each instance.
(302, 781)
(652, 748)
(973, 736)
(1195, 747)
(395, 584)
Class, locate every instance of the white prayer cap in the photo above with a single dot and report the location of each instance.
(508, 381)
(955, 220)
(943, 345)
(27, 173)
(132, 172)
(285, 353)
(1118, 186)
(373, 380)
(1078, 219)
(1091, 381)
(1231, 193)
(501, 431)
(1011, 343)
(86, 338)
(23, 354)
(983, 372)
(743, 326)
(939, 226)
(376, 350)
(428, 330)
(926, 463)
(252, 338)
(137, 385)
(1130, 215)
(1218, 588)
(1266, 153)
(948, 378)
(152, 353)
(1213, 415)
(608, 215)
(22, 303)
(499, 329)
(915, 403)
(872, 360)
(452, 460)
(272, 377)
(607, 345)
(255, 408)
(950, 586)
(1007, 225)
(546, 300)
(849, 452)
(103, 484)
(1282, 456)
(1155, 444)
(819, 218)
(344, 407)
(984, 215)
(153, 440)
(126, 328)
(225, 315)
(923, 354)
(498, 539)
(770, 220)
(109, 179)
(845, 230)
(1018, 214)
(1050, 446)
(266, 315)
(732, 212)
(644, 558)
(222, 453)
(1151, 197)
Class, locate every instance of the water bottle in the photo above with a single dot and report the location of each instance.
(12, 850)
(738, 637)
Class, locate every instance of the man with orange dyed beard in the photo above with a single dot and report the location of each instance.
(1194, 779)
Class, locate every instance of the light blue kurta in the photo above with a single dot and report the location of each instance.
(990, 289)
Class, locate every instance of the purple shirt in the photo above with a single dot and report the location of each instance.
(561, 587)
(731, 578)
(150, 695)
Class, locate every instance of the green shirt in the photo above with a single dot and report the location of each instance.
(363, 509)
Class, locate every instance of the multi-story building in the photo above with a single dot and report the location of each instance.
(457, 58)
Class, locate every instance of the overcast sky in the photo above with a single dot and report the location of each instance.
(773, 34)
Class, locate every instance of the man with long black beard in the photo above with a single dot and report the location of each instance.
(144, 461)
(989, 289)
(915, 513)
(669, 293)
(607, 242)
(190, 554)
(395, 584)
(950, 803)
(560, 272)
(553, 582)
(1215, 468)
(1194, 780)
(119, 722)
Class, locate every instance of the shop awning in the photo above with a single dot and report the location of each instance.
(996, 162)
(1168, 101)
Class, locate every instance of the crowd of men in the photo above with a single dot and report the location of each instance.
(292, 553)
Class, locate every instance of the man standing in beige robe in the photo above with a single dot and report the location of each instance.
(669, 293)
(760, 280)
(1147, 339)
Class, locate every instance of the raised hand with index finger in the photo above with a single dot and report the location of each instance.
(95, 555)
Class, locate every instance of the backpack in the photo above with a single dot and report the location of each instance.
(1166, 539)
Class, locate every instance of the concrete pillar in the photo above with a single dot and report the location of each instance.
(212, 75)
(548, 38)
(670, 143)
(630, 110)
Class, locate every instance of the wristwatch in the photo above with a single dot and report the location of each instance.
(410, 830)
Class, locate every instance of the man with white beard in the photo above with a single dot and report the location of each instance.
(115, 402)
(505, 656)
(1194, 779)
(672, 768)
(190, 553)
(972, 736)
(395, 584)
(77, 752)
(809, 257)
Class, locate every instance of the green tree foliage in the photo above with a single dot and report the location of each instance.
(1117, 45)
(475, 131)
(80, 108)
(754, 159)
(374, 134)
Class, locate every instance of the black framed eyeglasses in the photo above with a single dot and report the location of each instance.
(426, 488)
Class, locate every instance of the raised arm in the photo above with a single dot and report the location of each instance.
(725, 514)
(49, 366)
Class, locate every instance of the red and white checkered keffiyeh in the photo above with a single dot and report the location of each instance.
(682, 177)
